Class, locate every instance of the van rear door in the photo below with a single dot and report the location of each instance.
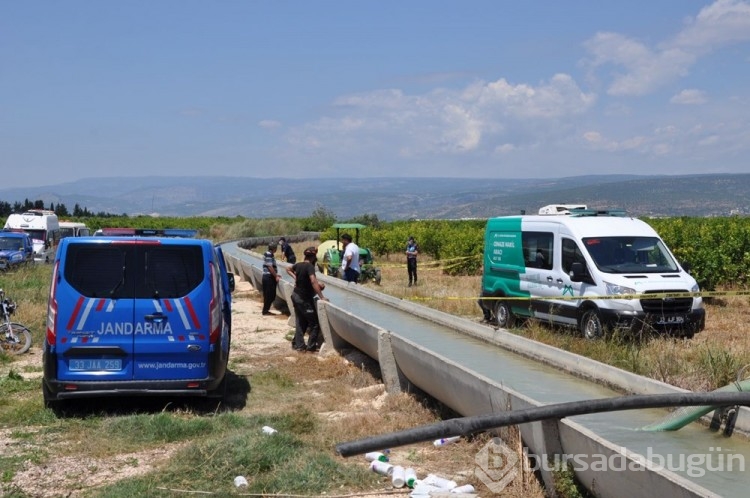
(94, 296)
(172, 321)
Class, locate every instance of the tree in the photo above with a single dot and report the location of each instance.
(320, 219)
(61, 210)
(370, 220)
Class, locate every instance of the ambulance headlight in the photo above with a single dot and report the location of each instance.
(695, 288)
(618, 290)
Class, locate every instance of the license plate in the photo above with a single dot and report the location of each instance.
(94, 365)
(670, 320)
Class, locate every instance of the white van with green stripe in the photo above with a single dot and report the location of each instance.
(592, 270)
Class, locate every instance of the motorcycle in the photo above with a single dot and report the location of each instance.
(15, 338)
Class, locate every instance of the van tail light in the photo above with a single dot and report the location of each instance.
(214, 307)
(52, 307)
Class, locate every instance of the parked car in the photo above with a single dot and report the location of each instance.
(16, 248)
(140, 316)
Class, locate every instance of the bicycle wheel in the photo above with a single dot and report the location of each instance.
(17, 343)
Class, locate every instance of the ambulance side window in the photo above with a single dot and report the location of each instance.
(571, 254)
(538, 249)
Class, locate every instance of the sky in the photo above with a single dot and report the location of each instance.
(387, 88)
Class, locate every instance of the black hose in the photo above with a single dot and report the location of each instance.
(468, 425)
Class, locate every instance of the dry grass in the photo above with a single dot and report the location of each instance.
(709, 360)
(350, 401)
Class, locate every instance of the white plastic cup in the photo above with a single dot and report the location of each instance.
(410, 477)
(446, 440)
(440, 482)
(398, 477)
(269, 430)
(421, 488)
(382, 468)
(376, 455)
(240, 482)
(466, 488)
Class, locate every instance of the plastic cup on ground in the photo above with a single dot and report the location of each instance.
(376, 455)
(410, 477)
(269, 430)
(466, 488)
(424, 489)
(440, 482)
(382, 468)
(240, 482)
(398, 478)
(446, 440)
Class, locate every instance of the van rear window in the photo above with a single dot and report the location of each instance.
(124, 271)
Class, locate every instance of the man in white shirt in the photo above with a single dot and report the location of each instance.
(350, 260)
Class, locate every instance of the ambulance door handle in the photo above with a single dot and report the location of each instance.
(549, 279)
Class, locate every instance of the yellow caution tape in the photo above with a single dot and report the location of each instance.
(659, 295)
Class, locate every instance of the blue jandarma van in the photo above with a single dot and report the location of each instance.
(592, 270)
(137, 316)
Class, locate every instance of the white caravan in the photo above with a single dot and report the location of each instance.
(43, 228)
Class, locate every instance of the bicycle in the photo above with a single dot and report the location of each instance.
(15, 338)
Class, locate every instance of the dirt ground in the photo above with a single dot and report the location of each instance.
(255, 337)
(50, 478)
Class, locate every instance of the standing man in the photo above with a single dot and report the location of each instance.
(287, 253)
(271, 279)
(306, 288)
(412, 249)
(350, 260)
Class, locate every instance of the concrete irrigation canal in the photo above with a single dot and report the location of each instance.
(476, 370)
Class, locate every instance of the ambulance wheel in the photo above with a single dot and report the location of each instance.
(591, 325)
(504, 317)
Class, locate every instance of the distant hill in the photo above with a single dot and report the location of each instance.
(395, 198)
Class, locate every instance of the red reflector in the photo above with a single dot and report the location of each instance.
(71, 387)
(193, 385)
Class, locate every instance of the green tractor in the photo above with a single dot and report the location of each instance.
(332, 251)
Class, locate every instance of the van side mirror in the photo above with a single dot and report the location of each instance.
(577, 272)
(230, 276)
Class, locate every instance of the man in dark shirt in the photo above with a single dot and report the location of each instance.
(412, 250)
(306, 288)
(287, 253)
(271, 279)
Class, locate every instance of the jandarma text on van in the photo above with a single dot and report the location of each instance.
(128, 328)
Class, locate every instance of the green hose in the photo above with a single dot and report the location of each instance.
(686, 414)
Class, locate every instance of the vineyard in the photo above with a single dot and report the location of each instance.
(717, 250)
